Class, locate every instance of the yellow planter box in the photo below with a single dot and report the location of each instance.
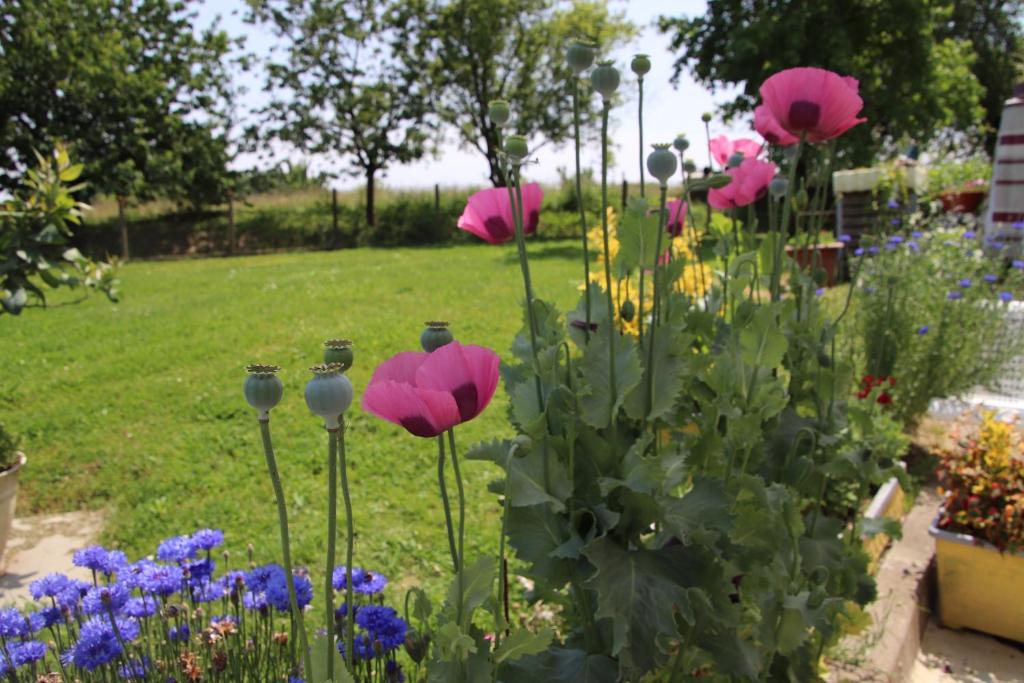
(979, 587)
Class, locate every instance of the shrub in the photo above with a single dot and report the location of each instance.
(8, 448)
(982, 483)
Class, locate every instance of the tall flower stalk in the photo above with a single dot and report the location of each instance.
(580, 57)
(640, 65)
(263, 391)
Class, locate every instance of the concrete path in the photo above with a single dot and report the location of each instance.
(42, 545)
(949, 656)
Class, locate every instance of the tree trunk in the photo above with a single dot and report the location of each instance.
(123, 225)
(371, 218)
(497, 177)
(335, 236)
(231, 223)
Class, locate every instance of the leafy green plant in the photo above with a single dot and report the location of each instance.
(982, 483)
(960, 175)
(35, 237)
(8, 448)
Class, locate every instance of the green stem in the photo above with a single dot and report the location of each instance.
(640, 120)
(462, 526)
(282, 515)
(579, 204)
(332, 533)
(517, 213)
(349, 542)
(784, 223)
(444, 502)
(655, 307)
(612, 398)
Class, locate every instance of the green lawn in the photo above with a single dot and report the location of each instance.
(137, 408)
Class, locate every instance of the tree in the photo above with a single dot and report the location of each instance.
(482, 50)
(350, 85)
(916, 76)
(124, 82)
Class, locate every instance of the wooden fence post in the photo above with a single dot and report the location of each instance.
(625, 193)
(335, 237)
(232, 238)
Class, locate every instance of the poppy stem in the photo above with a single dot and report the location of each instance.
(608, 262)
(783, 228)
(640, 121)
(655, 310)
(524, 264)
(579, 204)
(286, 555)
(444, 502)
(349, 542)
(332, 533)
(462, 527)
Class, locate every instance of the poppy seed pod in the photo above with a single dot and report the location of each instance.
(681, 144)
(498, 111)
(605, 79)
(580, 57)
(263, 388)
(802, 199)
(662, 163)
(689, 166)
(516, 148)
(329, 393)
(435, 335)
(778, 186)
(706, 117)
(338, 351)
(640, 65)
(735, 159)
(627, 310)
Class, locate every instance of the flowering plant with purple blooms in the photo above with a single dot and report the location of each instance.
(928, 308)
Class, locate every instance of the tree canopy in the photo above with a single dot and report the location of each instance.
(930, 71)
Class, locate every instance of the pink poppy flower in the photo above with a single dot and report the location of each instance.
(428, 393)
(769, 128)
(814, 102)
(676, 217)
(749, 183)
(488, 213)
(722, 148)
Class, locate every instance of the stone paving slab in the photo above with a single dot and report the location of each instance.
(949, 656)
(42, 545)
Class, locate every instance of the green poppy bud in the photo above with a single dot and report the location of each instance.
(662, 163)
(689, 166)
(435, 335)
(498, 111)
(329, 393)
(627, 310)
(706, 117)
(263, 388)
(735, 159)
(681, 144)
(580, 57)
(605, 79)
(338, 351)
(778, 186)
(640, 65)
(516, 148)
(802, 199)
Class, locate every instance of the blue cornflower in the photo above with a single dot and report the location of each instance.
(923, 330)
(1017, 263)
(1005, 297)
(208, 539)
(49, 586)
(912, 245)
(917, 234)
(44, 618)
(965, 282)
(362, 645)
(895, 239)
(393, 672)
(820, 291)
(160, 579)
(224, 617)
(73, 594)
(178, 634)
(141, 608)
(383, 624)
(208, 592)
(277, 591)
(339, 575)
(176, 549)
(990, 278)
(895, 221)
(101, 599)
(893, 204)
(22, 653)
(254, 601)
(872, 250)
(232, 582)
(200, 570)
(99, 559)
(1019, 225)
(97, 644)
(259, 577)
(12, 623)
(845, 239)
(134, 669)
(859, 251)
(955, 295)
(970, 234)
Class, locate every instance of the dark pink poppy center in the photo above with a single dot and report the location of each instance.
(804, 115)
(499, 229)
(467, 399)
(418, 425)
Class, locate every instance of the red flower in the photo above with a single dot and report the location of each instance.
(488, 213)
(814, 102)
(884, 398)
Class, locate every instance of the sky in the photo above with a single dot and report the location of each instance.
(668, 110)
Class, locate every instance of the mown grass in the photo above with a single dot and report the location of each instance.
(137, 408)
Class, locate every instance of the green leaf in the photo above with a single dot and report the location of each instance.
(521, 642)
(560, 666)
(319, 651)
(527, 483)
(701, 515)
(596, 406)
(455, 646)
(536, 533)
(475, 668)
(477, 586)
(669, 367)
(638, 235)
(71, 173)
(762, 342)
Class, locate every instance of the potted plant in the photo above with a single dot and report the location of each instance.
(820, 251)
(961, 185)
(979, 532)
(11, 462)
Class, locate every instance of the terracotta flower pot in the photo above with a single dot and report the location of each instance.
(8, 498)
(962, 202)
(825, 256)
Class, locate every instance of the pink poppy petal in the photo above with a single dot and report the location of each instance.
(421, 412)
(533, 197)
(401, 367)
